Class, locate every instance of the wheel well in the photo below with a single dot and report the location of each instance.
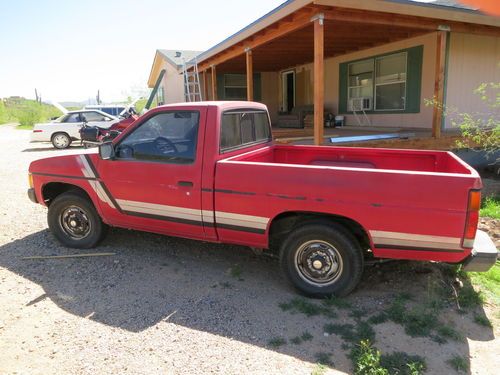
(284, 223)
(52, 190)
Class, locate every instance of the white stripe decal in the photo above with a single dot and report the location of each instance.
(246, 221)
(415, 240)
(86, 165)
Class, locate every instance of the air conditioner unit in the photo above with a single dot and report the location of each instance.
(360, 104)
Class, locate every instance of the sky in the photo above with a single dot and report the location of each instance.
(69, 49)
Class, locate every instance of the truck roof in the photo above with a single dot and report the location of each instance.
(220, 104)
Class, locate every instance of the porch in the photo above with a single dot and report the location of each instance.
(326, 41)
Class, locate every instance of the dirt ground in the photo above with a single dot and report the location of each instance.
(175, 306)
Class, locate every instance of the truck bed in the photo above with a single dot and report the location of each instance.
(364, 158)
(417, 196)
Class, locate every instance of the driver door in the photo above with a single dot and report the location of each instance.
(155, 178)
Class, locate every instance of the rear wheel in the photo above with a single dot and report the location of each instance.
(322, 259)
(61, 140)
(75, 222)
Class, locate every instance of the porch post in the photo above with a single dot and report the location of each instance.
(214, 83)
(437, 115)
(205, 85)
(249, 59)
(319, 84)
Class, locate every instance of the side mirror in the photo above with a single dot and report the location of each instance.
(107, 151)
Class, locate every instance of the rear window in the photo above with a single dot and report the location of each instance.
(243, 128)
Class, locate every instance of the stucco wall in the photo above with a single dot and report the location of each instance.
(473, 59)
(270, 93)
(423, 119)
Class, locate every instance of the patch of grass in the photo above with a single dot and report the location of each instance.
(490, 207)
(401, 363)
(488, 283)
(324, 359)
(306, 336)
(468, 297)
(26, 112)
(482, 321)
(319, 369)
(378, 318)
(366, 360)
(419, 321)
(236, 272)
(350, 333)
(358, 313)
(297, 340)
(276, 342)
(307, 308)
(458, 363)
(448, 332)
(340, 303)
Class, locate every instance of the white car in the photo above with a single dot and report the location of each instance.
(62, 131)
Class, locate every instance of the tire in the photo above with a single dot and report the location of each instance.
(322, 259)
(74, 221)
(61, 140)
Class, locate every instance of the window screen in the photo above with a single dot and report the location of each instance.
(243, 128)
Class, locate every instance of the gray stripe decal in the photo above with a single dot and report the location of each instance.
(393, 239)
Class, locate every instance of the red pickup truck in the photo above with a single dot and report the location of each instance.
(210, 171)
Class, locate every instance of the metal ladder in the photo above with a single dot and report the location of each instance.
(192, 87)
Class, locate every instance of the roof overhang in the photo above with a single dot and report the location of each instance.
(155, 69)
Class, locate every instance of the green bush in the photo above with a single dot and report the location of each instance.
(26, 112)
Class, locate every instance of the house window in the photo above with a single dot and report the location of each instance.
(235, 86)
(160, 96)
(386, 83)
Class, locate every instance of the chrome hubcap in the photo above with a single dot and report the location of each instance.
(61, 140)
(318, 263)
(75, 222)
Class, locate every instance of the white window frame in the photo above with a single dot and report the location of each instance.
(375, 84)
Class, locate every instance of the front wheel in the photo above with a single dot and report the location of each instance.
(74, 221)
(322, 259)
(61, 140)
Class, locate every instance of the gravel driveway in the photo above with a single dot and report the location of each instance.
(167, 305)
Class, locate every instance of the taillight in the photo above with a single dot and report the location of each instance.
(472, 219)
(37, 131)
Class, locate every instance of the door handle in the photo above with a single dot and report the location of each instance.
(185, 183)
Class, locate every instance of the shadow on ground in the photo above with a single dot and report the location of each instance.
(219, 289)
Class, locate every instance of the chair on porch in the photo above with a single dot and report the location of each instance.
(295, 118)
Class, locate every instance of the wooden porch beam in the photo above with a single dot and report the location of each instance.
(205, 85)
(249, 60)
(439, 77)
(319, 83)
(214, 83)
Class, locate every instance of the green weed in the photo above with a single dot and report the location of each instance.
(458, 363)
(276, 342)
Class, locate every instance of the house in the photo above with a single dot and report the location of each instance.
(170, 88)
(385, 58)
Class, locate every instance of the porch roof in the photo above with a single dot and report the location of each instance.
(284, 37)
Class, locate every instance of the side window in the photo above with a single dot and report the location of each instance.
(74, 117)
(169, 137)
(239, 129)
(94, 116)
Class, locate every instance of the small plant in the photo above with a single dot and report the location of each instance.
(340, 303)
(236, 272)
(403, 363)
(305, 307)
(490, 207)
(306, 336)
(350, 333)
(296, 340)
(358, 313)
(458, 363)
(419, 321)
(324, 359)
(482, 321)
(378, 318)
(449, 333)
(276, 342)
(319, 369)
(366, 360)
(468, 297)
